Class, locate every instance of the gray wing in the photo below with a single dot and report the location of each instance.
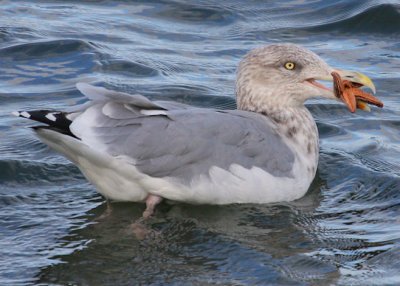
(180, 141)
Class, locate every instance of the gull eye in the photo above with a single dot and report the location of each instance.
(290, 65)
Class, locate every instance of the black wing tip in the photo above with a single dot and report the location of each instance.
(58, 130)
(56, 119)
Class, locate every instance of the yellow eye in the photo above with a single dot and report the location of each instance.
(290, 66)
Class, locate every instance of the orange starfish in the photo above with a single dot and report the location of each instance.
(351, 94)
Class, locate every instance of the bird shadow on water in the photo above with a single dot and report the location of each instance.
(244, 244)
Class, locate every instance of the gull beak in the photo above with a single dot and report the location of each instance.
(354, 97)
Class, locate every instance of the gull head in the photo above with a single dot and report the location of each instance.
(286, 75)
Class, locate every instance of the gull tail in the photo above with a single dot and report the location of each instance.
(55, 120)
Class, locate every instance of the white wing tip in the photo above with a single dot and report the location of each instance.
(21, 114)
(50, 116)
(25, 114)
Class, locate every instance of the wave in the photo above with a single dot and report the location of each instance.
(189, 13)
(128, 68)
(380, 19)
(46, 65)
(45, 48)
(27, 172)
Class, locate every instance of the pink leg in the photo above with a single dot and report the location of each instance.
(151, 202)
(107, 212)
(139, 229)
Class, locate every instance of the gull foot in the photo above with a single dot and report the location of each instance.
(151, 202)
(106, 213)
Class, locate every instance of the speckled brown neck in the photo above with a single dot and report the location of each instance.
(298, 126)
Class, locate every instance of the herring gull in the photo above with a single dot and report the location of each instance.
(134, 149)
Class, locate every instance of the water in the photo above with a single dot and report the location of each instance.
(54, 227)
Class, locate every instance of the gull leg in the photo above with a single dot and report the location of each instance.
(138, 228)
(151, 202)
(107, 212)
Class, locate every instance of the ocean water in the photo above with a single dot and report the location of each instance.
(56, 229)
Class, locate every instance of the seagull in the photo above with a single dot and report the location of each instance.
(265, 151)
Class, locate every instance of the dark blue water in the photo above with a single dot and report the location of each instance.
(54, 227)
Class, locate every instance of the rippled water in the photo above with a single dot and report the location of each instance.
(54, 227)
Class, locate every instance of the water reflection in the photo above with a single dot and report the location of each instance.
(243, 243)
